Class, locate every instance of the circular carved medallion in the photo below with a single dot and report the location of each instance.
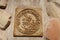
(28, 21)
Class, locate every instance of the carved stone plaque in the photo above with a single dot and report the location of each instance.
(28, 22)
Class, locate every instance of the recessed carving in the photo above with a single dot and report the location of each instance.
(27, 22)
